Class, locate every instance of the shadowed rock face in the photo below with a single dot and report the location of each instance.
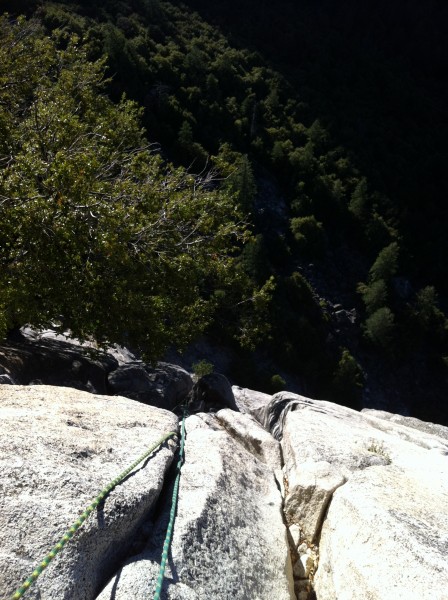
(164, 385)
(54, 362)
(211, 393)
(48, 358)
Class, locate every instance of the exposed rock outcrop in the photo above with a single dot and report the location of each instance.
(364, 500)
(45, 357)
(211, 393)
(59, 447)
(51, 361)
(164, 385)
(371, 494)
(229, 539)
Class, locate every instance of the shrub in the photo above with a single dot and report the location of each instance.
(277, 384)
(202, 367)
(430, 319)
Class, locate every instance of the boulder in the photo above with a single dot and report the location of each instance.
(229, 538)
(164, 385)
(210, 393)
(121, 354)
(59, 447)
(251, 401)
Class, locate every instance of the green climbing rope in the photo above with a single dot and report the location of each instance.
(169, 531)
(77, 524)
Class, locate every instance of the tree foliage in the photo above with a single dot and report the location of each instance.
(379, 327)
(287, 143)
(429, 319)
(309, 235)
(348, 380)
(98, 233)
(386, 263)
(374, 295)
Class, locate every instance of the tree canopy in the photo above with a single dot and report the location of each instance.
(99, 234)
(317, 126)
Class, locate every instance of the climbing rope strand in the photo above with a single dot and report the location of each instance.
(77, 524)
(169, 531)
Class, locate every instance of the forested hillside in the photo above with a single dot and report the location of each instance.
(297, 149)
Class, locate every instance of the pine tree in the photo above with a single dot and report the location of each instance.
(386, 263)
(359, 200)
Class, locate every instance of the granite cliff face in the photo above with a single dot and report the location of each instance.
(60, 446)
(286, 497)
(369, 491)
